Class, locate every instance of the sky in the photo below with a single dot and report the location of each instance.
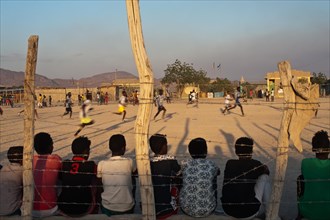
(248, 38)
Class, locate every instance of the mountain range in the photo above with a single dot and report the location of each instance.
(10, 78)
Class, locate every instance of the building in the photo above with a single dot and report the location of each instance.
(274, 81)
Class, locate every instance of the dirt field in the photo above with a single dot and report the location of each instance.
(182, 123)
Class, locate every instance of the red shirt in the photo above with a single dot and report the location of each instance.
(45, 172)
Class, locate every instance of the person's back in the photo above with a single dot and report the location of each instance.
(78, 177)
(46, 167)
(240, 198)
(165, 170)
(11, 182)
(314, 193)
(198, 196)
(116, 174)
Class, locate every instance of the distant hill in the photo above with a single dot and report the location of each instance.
(10, 78)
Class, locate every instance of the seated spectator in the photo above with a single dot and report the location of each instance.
(246, 188)
(46, 168)
(314, 183)
(198, 196)
(78, 177)
(11, 183)
(116, 174)
(165, 177)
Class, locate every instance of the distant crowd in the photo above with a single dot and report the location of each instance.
(78, 186)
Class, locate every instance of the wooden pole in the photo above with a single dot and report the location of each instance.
(283, 141)
(144, 110)
(29, 108)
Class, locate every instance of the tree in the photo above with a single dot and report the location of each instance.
(319, 78)
(221, 85)
(182, 74)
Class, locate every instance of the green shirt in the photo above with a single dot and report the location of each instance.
(315, 202)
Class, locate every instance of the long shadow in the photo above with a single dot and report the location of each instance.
(169, 116)
(255, 143)
(302, 139)
(321, 127)
(181, 150)
(230, 139)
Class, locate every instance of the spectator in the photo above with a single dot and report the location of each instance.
(198, 197)
(313, 185)
(78, 176)
(11, 183)
(246, 187)
(46, 168)
(165, 177)
(116, 174)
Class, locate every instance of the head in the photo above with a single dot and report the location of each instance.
(238, 89)
(15, 154)
(158, 144)
(320, 142)
(244, 147)
(197, 148)
(81, 147)
(117, 144)
(161, 92)
(43, 143)
(124, 93)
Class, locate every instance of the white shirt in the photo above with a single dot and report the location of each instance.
(116, 174)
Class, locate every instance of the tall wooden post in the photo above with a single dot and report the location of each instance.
(283, 140)
(144, 111)
(29, 108)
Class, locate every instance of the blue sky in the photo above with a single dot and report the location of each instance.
(82, 38)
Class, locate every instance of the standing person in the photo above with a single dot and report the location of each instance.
(84, 117)
(46, 168)
(246, 189)
(106, 98)
(272, 95)
(313, 186)
(165, 177)
(168, 95)
(267, 95)
(11, 183)
(159, 99)
(251, 94)
(50, 101)
(135, 98)
(116, 173)
(1, 111)
(228, 98)
(40, 101)
(68, 105)
(122, 104)
(44, 101)
(238, 96)
(79, 182)
(198, 196)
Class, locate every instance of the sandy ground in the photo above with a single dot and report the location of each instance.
(181, 124)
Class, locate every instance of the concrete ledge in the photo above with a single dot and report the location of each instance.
(126, 217)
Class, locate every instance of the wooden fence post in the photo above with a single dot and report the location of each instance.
(283, 140)
(144, 111)
(29, 108)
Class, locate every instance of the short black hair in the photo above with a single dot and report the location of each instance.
(157, 142)
(80, 145)
(43, 143)
(320, 142)
(197, 148)
(15, 154)
(117, 142)
(244, 146)
(160, 92)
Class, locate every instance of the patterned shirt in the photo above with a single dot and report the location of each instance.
(199, 188)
